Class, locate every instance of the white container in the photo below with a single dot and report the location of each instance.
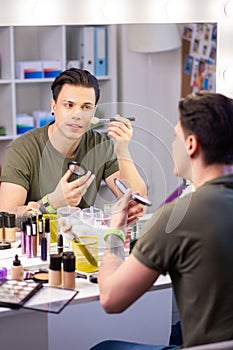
(28, 69)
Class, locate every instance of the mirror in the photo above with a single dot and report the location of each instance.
(124, 12)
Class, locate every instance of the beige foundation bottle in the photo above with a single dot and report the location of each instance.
(68, 273)
(55, 275)
(10, 229)
(17, 269)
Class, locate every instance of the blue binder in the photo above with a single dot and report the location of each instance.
(100, 49)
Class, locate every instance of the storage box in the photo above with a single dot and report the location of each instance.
(42, 117)
(28, 69)
(24, 123)
(51, 69)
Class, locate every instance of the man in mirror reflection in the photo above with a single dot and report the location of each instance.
(35, 164)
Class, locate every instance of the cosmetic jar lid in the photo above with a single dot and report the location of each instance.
(55, 262)
(68, 262)
(9, 220)
(67, 252)
(41, 277)
(3, 273)
(47, 225)
(5, 245)
(1, 220)
(16, 262)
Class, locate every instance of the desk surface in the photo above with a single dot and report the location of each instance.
(83, 308)
(87, 291)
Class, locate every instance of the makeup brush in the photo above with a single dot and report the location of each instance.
(67, 229)
(96, 120)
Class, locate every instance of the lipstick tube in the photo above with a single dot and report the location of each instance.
(34, 237)
(60, 243)
(23, 237)
(40, 227)
(29, 238)
(43, 245)
(47, 234)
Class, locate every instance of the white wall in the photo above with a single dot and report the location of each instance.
(149, 87)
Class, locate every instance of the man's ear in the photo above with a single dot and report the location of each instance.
(52, 104)
(192, 145)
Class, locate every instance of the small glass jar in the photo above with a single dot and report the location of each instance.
(3, 273)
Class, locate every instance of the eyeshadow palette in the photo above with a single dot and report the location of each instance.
(14, 294)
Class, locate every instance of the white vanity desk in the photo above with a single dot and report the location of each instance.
(83, 323)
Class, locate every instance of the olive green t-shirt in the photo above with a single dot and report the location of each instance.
(192, 240)
(33, 163)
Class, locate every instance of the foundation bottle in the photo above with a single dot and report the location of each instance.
(55, 275)
(17, 269)
(10, 229)
(68, 273)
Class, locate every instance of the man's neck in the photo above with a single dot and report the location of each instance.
(211, 172)
(66, 147)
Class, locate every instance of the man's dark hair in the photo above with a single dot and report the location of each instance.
(75, 76)
(209, 116)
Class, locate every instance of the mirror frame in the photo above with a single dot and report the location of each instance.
(71, 12)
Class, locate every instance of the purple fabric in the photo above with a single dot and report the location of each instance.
(176, 193)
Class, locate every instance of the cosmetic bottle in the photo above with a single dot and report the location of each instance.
(68, 274)
(3, 273)
(29, 238)
(23, 237)
(55, 277)
(34, 237)
(1, 228)
(47, 234)
(43, 247)
(9, 227)
(17, 270)
(40, 227)
(60, 244)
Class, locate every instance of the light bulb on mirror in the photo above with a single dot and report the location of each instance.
(228, 9)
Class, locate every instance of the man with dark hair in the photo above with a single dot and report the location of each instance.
(190, 238)
(35, 166)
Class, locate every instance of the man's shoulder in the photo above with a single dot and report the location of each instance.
(37, 135)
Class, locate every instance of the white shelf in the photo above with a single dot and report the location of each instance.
(59, 42)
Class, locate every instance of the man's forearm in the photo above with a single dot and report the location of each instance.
(115, 246)
(129, 171)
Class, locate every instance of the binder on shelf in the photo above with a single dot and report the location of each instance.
(100, 50)
(86, 48)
